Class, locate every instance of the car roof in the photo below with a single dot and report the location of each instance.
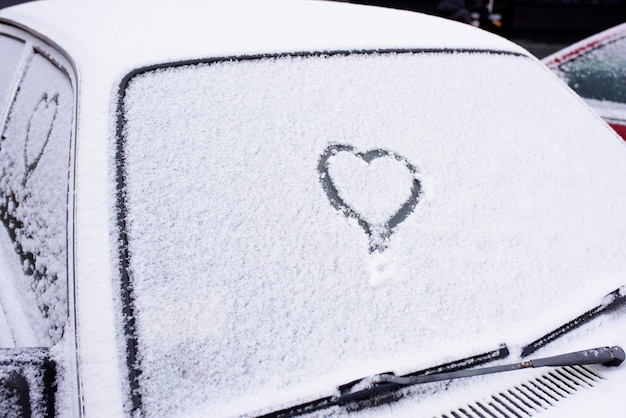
(584, 45)
(119, 35)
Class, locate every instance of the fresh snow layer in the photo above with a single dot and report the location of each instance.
(11, 51)
(252, 290)
(608, 110)
(34, 158)
(151, 31)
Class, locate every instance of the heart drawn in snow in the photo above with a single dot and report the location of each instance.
(38, 132)
(378, 188)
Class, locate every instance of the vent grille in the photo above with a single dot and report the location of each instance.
(528, 399)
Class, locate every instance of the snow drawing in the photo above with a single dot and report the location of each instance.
(33, 196)
(38, 133)
(378, 188)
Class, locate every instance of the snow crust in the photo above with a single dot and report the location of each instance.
(252, 290)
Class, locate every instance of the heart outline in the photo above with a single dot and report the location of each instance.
(379, 234)
(31, 166)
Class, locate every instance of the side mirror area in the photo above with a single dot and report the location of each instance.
(27, 382)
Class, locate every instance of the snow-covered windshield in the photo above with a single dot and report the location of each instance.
(291, 223)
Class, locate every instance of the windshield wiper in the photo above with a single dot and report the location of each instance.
(377, 386)
(610, 301)
(387, 388)
(385, 382)
(607, 356)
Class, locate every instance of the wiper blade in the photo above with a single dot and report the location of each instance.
(330, 401)
(607, 356)
(610, 301)
(389, 383)
(378, 390)
(385, 382)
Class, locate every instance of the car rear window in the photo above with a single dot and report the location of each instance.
(290, 223)
(599, 73)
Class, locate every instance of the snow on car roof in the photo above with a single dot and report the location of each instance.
(149, 32)
(584, 45)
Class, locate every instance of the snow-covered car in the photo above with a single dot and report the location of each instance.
(277, 208)
(596, 69)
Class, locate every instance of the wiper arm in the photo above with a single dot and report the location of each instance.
(607, 356)
(610, 301)
(330, 401)
(385, 382)
(390, 383)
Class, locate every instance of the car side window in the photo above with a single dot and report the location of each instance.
(11, 50)
(34, 173)
(599, 73)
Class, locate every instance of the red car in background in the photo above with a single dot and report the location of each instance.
(596, 69)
